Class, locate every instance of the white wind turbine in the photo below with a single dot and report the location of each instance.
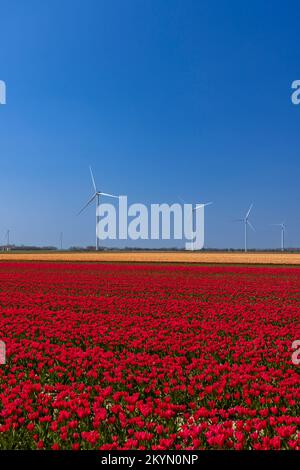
(246, 223)
(198, 206)
(283, 227)
(194, 209)
(96, 197)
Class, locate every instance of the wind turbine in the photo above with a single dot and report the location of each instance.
(96, 196)
(283, 227)
(198, 206)
(246, 223)
(7, 236)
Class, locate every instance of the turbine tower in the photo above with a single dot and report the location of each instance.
(96, 196)
(283, 227)
(246, 222)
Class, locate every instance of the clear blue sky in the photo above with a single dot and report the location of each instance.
(163, 98)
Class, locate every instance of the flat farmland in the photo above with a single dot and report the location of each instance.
(159, 257)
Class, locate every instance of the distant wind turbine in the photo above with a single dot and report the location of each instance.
(6, 247)
(96, 197)
(283, 227)
(194, 209)
(246, 223)
(199, 206)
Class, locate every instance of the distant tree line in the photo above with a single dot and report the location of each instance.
(131, 249)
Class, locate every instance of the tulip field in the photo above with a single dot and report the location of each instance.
(148, 356)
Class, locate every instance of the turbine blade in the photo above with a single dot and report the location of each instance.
(93, 179)
(109, 195)
(87, 204)
(249, 210)
(202, 205)
(250, 225)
